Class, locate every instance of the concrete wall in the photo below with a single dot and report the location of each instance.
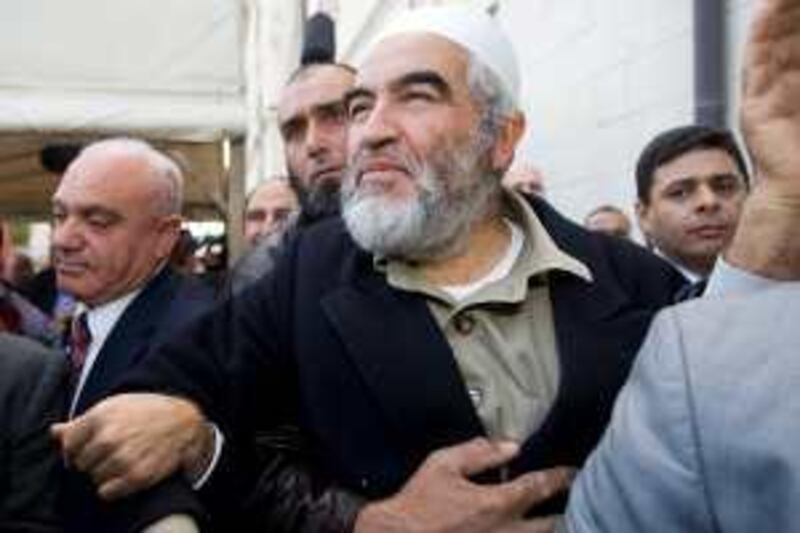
(600, 78)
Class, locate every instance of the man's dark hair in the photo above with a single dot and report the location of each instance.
(676, 142)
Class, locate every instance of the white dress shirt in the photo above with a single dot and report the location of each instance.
(100, 321)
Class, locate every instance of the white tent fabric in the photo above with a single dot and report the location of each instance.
(189, 75)
(170, 67)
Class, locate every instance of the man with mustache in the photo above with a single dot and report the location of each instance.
(313, 127)
(440, 311)
(116, 216)
(691, 183)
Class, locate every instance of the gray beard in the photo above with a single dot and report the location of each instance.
(436, 222)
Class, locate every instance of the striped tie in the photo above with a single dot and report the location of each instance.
(80, 339)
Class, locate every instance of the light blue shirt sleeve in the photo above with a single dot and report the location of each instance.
(644, 476)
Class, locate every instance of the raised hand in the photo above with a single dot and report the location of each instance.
(767, 241)
(770, 111)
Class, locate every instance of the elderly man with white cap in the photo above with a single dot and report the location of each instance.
(428, 362)
(444, 326)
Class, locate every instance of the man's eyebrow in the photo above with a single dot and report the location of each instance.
(725, 175)
(356, 92)
(290, 123)
(101, 211)
(695, 179)
(328, 105)
(682, 181)
(423, 77)
(87, 210)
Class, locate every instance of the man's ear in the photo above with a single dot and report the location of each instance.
(643, 218)
(507, 139)
(169, 230)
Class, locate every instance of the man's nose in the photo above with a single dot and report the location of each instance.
(66, 235)
(316, 140)
(707, 198)
(378, 129)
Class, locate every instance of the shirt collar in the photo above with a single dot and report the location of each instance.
(540, 253)
(101, 319)
(690, 275)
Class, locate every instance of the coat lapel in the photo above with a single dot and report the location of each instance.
(405, 361)
(130, 339)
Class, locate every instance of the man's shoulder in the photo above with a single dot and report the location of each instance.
(740, 363)
(191, 296)
(18, 351)
(169, 300)
(609, 258)
(323, 245)
(170, 285)
(721, 342)
(330, 229)
(24, 362)
(767, 315)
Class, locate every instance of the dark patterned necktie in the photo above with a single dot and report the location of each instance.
(80, 339)
(690, 291)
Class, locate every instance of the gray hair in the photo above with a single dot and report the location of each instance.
(163, 168)
(492, 95)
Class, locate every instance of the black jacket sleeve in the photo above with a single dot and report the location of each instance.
(233, 363)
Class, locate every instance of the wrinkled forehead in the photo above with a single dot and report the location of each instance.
(396, 56)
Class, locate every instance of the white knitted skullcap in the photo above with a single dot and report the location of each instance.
(470, 27)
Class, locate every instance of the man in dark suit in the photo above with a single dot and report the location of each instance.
(117, 217)
(33, 389)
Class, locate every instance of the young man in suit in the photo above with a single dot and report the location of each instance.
(691, 182)
(117, 216)
(33, 390)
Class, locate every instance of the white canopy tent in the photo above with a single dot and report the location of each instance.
(196, 77)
